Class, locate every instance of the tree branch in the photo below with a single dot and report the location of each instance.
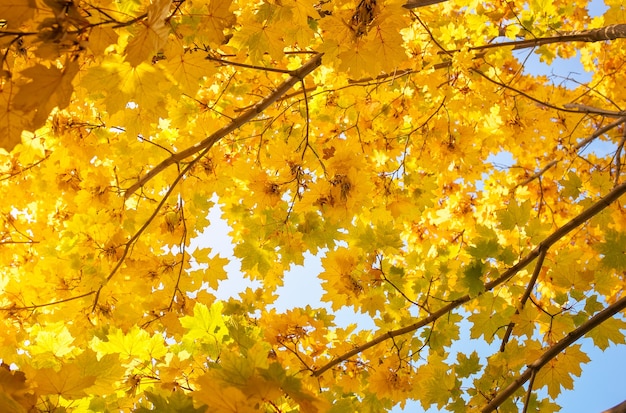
(616, 31)
(412, 4)
(619, 408)
(601, 132)
(553, 351)
(612, 32)
(208, 142)
(593, 210)
(595, 111)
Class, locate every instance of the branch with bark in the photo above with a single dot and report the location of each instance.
(553, 351)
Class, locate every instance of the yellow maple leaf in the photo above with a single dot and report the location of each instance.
(54, 339)
(101, 37)
(187, 68)
(259, 39)
(135, 344)
(218, 18)
(558, 372)
(357, 60)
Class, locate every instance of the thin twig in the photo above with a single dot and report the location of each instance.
(529, 288)
(247, 66)
(529, 391)
(538, 174)
(34, 306)
(135, 237)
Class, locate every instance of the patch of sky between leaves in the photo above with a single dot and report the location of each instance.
(562, 72)
(301, 285)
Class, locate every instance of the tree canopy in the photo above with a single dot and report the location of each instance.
(366, 132)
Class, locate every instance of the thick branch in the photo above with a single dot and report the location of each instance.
(612, 32)
(412, 4)
(553, 351)
(601, 132)
(620, 408)
(543, 245)
(616, 31)
(247, 116)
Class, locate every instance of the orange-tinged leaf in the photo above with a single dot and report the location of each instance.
(14, 393)
(101, 37)
(16, 12)
(221, 397)
(68, 382)
(12, 121)
(50, 87)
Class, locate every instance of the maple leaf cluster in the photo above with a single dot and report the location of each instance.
(367, 133)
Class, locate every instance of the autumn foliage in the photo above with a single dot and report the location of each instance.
(364, 132)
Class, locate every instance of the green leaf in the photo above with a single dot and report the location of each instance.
(380, 236)
(592, 305)
(571, 185)
(177, 402)
(472, 277)
(613, 250)
(514, 215)
(445, 331)
(206, 326)
(486, 246)
(467, 365)
(491, 314)
(252, 257)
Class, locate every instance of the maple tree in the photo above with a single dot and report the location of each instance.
(360, 131)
